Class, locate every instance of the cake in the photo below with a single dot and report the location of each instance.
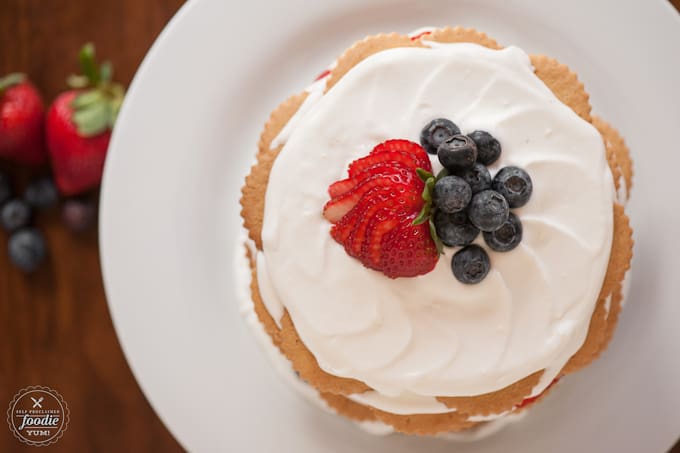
(437, 231)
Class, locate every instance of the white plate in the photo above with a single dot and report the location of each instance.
(187, 135)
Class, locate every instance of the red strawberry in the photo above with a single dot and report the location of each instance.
(396, 176)
(22, 117)
(374, 209)
(345, 185)
(79, 124)
(404, 152)
(408, 250)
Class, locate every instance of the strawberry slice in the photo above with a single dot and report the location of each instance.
(338, 207)
(397, 199)
(373, 210)
(403, 152)
(408, 250)
(345, 185)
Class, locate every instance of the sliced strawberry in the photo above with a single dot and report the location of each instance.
(373, 211)
(404, 152)
(382, 223)
(338, 207)
(345, 185)
(408, 250)
(392, 198)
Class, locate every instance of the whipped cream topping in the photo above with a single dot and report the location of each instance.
(432, 335)
(284, 368)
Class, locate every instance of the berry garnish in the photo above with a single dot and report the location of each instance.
(41, 194)
(488, 210)
(15, 214)
(5, 188)
(507, 237)
(455, 229)
(373, 211)
(437, 132)
(470, 264)
(22, 118)
(27, 249)
(488, 148)
(78, 215)
(477, 176)
(457, 152)
(408, 250)
(514, 184)
(451, 194)
(396, 176)
(79, 124)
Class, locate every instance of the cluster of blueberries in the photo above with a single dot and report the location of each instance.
(26, 246)
(466, 200)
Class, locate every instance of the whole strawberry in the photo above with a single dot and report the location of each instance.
(22, 116)
(79, 124)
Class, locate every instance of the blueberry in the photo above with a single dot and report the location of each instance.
(455, 229)
(27, 249)
(451, 194)
(78, 215)
(488, 210)
(477, 176)
(5, 189)
(471, 264)
(15, 214)
(436, 132)
(514, 184)
(507, 237)
(42, 193)
(488, 148)
(457, 152)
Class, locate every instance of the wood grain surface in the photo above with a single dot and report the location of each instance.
(56, 329)
(55, 325)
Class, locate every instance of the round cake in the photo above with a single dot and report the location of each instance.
(436, 231)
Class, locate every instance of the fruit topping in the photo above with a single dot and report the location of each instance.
(477, 176)
(507, 237)
(514, 184)
(470, 264)
(437, 132)
(451, 194)
(488, 148)
(488, 210)
(457, 152)
(373, 211)
(455, 229)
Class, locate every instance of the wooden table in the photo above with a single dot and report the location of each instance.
(55, 324)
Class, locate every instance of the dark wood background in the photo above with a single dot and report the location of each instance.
(55, 325)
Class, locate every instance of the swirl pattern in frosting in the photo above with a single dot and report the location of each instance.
(432, 335)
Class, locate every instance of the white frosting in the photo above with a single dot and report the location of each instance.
(403, 404)
(309, 393)
(431, 335)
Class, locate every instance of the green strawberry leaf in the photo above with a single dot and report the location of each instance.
(92, 119)
(423, 174)
(77, 81)
(88, 65)
(87, 98)
(444, 172)
(427, 193)
(10, 80)
(437, 242)
(424, 214)
(106, 72)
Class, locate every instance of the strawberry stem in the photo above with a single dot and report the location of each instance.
(10, 80)
(95, 109)
(426, 213)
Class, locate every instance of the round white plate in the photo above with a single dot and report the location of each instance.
(186, 137)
